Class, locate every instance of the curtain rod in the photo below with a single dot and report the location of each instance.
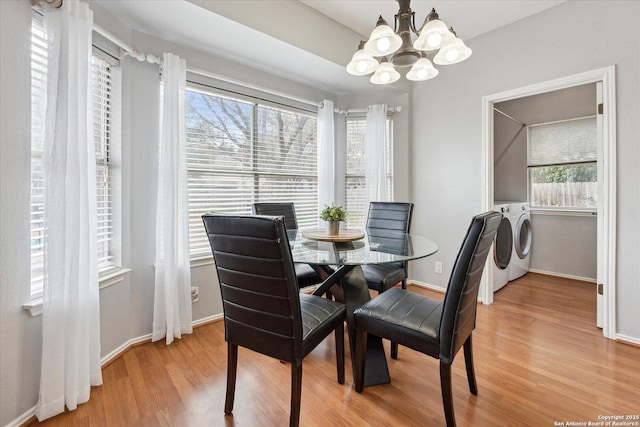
(364, 110)
(126, 49)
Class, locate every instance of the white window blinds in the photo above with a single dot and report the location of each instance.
(241, 152)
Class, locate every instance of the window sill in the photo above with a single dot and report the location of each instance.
(111, 277)
(563, 212)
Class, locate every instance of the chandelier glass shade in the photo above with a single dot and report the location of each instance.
(388, 49)
(385, 74)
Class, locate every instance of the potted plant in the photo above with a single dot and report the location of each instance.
(333, 215)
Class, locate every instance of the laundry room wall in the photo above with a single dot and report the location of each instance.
(564, 243)
(510, 159)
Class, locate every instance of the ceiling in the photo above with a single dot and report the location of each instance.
(309, 41)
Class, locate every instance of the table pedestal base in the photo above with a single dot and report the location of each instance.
(353, 292)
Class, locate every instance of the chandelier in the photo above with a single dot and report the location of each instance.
(394, 48)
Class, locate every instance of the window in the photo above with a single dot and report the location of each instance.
(355, 200)
(239, 152)
(106, 109)
(562, 163)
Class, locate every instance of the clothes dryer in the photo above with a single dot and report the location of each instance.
(502, 247)
(522, 239)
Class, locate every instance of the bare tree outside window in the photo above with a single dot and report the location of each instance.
(241, 152)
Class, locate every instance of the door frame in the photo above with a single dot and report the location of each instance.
(607, 203)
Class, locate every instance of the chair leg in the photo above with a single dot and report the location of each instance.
(394, 350)
(404, 284)
(447, 394)
(360, 360)
(232, 365)
(339, 336)
(296, 394)
(394, 345)
(468, 361)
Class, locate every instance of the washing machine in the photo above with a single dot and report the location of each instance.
(502, 247)
(522, 239)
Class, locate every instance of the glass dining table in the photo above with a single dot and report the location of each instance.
(339, 263)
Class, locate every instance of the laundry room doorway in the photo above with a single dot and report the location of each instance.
(604, 81)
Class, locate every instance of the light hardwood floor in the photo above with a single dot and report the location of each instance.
(539, 360)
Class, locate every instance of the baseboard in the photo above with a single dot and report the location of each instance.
(123, 348)
(565, 276)
(626, 339)
(24, 419)
(426, 286)
(207, 320)
(432, 287)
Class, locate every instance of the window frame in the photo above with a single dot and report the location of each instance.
(531, 167)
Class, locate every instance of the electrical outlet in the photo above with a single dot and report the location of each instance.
(195, 294)
(438, 267)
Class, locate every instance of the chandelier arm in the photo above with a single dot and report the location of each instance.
(412, 24)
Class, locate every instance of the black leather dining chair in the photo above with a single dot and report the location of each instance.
(264, 310)
(384, 216)
(306, 275)
(438, 329)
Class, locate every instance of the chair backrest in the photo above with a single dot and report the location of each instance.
(257, 279)
(285, 209)
(390, 216)
(460, 302)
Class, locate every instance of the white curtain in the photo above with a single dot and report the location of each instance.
(71, 306)
(326, 155)
(376, 155)
(172, 301)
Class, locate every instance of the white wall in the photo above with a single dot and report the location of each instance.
(510, 160)
(565, 245)
(20, 335)
(447, 116)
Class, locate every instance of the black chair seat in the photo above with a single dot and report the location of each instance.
(319, 318)
(306, 275)
(411, 319)
(381, 277)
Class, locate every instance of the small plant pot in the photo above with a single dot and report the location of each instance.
(333, 228)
